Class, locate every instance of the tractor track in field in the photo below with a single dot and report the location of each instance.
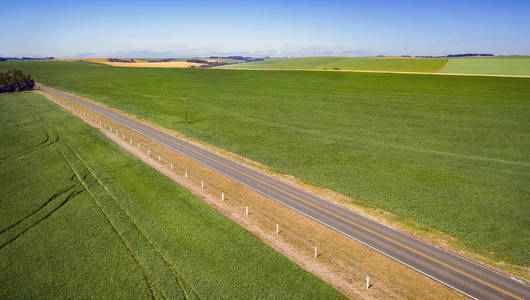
(50, 199)
(395, 146)
(115, 214)
(168, 283)
(70, 196)
(49, 140)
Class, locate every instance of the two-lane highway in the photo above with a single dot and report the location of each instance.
(461, 274)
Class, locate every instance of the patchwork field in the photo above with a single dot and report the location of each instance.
(139, 63)
(450, 152)
(509, 65)
(82, 218)
(349, 63)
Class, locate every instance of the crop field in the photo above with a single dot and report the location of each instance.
(509, 65)
(349, 63)
(82, 218)
(450, 152)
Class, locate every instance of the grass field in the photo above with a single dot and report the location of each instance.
(509, 65)
(450, 152)
(349, 63)
(82, 218)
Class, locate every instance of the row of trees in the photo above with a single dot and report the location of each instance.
(14, 81)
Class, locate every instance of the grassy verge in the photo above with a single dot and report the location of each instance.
(448, 152)
(83, 218)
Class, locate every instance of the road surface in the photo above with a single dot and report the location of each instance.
(463, 275)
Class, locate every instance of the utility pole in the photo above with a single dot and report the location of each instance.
(185, 111)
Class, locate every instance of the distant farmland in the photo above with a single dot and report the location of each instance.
(509, 65)
(450, 152)
(349, 63)
(57, 240)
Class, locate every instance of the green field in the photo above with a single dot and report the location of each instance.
(349, 63)
(451, 152)
(65, 192)
(509, 65)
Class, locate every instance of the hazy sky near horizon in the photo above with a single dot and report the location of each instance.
(275, 28)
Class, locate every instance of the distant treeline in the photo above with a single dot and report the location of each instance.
(207, 64)
(470, 54)
(237, 57)
(25, 58)
(129, 60)
(161, 60)
(14, 81)
(454, 55)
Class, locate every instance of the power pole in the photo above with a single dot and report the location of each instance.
(185, 111)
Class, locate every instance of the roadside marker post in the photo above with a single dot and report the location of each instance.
(246, 210)
(316, 252)
(277, 229)
(159, 158)
(202, 184)
(223, 196)
(123, 136)
(138, 145)
(186, 174)
(171, 166)
(367, 282)
(148, 152)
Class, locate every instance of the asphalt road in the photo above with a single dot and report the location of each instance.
(463, 275)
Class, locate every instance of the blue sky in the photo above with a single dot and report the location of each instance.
(274, 28)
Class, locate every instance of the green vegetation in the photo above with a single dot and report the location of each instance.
(509, 65)
(451, 152)
(65, 193)
(350, 63)
(14, 81)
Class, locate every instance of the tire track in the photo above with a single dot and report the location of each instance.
(50, 199)
(177, 274)
(146, 274)
(68, 198)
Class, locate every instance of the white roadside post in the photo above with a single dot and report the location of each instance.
(316, 252)
(246, 210)
(159, 158)
(277, 229)
(367, 282)
(186, 174)
(148, 152)
(223, 196)
(123, 137)
(138, 145)
(171, 166)
(202, 183)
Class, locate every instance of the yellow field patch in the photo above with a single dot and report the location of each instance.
(169, 64)
(137, 64)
